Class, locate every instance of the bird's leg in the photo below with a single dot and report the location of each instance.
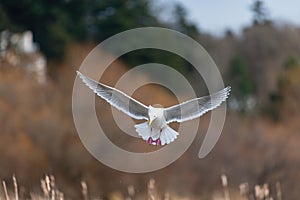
(158, 142)
(150, 139)
(160, 132)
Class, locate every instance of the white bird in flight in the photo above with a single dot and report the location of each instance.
(156, 130)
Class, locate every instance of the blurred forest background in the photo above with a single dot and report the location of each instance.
(260, 142)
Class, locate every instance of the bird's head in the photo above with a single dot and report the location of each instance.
(154, 113)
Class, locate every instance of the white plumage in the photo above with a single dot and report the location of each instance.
(156, 130)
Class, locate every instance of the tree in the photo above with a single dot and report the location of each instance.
(53, 23)
(107, 18)
(240, 76)
(182, 24)
(260, 12)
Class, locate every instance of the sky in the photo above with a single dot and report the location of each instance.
(215, 16)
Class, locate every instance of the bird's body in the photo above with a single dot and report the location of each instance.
(156, 118)
(156, 130)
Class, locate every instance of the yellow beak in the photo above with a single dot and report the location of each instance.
(150, 121)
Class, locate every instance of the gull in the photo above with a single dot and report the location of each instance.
(156, 130)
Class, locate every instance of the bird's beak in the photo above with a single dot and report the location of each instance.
(150, 121)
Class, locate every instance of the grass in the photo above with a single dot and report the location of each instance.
(49, 191)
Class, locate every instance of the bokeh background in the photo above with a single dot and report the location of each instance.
(43, 43)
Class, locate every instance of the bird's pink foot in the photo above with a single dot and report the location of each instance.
(158, 142)
(150, 140)
(154, 142)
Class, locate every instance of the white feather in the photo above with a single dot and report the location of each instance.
(167, 135)
(158, 131)
(195, 108)
(116, 98)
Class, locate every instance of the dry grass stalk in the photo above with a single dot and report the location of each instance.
(52, 186)
(167, 196)
(259, 193)
(52, 181)
(151, 190)
(52, 195)
(47, 180)
(49, 188)
(244, 190)
(59, 195)
(131, 192)
(15, 187)
(262, 192)
(84, 190)
(5, 190)
(278, 191)
(266, 191)
(45, 185)
(225, 187)
(44, 188)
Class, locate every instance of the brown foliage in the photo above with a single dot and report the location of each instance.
(38, 136)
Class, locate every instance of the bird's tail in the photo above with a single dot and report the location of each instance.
(168, 135)
(144, 130)
(156, 137)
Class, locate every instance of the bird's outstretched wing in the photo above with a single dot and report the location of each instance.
(116, 98)
(195, 107)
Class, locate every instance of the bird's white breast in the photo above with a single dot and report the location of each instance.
(159, 122)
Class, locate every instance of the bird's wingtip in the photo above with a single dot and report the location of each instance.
(80, 74)
(228, 90)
